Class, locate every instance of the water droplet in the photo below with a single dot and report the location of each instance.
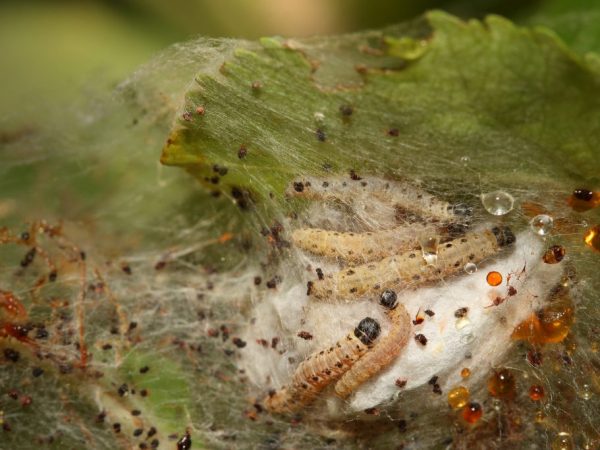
(542, 224)
(585, 392)
(458, 397)
(429, 246)
(465, 160)
(470, 268)
(562, 441)
(465, 372)
(467, 338)
(498, 203)
(496, 404)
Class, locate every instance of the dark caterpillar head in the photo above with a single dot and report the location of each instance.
(583, 194)
(504, 236)
(388, 299)
(367, 330)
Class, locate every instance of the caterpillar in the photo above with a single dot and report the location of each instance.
(360, 247)
(320, 369)
(410, 269)
(385, 351)
(402, 195)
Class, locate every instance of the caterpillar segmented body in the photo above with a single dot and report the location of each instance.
(385, 351)
(320, 369)
(409, 269)
(402, 195)
(360, 247)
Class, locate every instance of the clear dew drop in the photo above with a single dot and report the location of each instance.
(465, 160)
(542, 224)
(585, 392)
(470, 268)
(429, 246)
(498, 203)
(562, 441)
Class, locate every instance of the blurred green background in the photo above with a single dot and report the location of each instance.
(51, 50)
(55, 52)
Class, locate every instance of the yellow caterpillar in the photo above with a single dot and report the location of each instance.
(409, 269)
(360, 247)
(402, 195)
(385, 351)
(320, 369)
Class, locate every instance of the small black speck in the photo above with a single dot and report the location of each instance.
(37, 372)
(11, 355)
(123, 390)
(144, 369)
(239, 343)
(421, 339)
(321, 135)
(402, 426)
(346, 110)
(354, 176)
(185, 443)
(461, 312)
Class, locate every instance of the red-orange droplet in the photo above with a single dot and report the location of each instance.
(536, 392)
(554, 254)
(502, 384)
(465, 373)
(494, 278)
(592, 238)
(472, 412)
(583, 199)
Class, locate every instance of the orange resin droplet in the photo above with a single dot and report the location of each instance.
(472, 412)
(550, 325)
(592, 238)
(502, 384)
(536, 392)
(554, 254)
(458, 397)
(465, 373)
(494, 278)
(583, 200)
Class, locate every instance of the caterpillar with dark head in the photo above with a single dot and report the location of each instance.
(321, 369)
(410, 269)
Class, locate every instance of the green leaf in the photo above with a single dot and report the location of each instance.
(516, 101)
